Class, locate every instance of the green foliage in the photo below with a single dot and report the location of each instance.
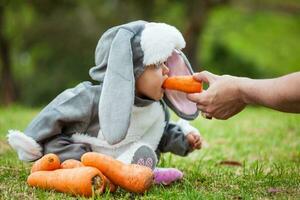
(255, 44)
(53, 42)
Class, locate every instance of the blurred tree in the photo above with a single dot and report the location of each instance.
(8, 88)
(49, 45)
(287, 6)
(251, 43)
(196, 17)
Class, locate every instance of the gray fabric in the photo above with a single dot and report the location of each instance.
(117, 96)
(119, 59)
(174, 141)
(102, 52)
(68, 113)
(63, 146)
(73, 111)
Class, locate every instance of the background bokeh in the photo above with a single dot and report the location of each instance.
(48, 46)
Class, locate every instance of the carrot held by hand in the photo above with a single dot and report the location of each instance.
(131, 177)
(46, 163)
(81, 181)
(185, 84)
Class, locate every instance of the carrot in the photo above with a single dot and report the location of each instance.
(185, 84)
(131, 177)
(47, 162)
(71, 163)
(83, 181)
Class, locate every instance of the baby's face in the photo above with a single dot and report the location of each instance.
(149, 84)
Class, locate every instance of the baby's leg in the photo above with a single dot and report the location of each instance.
(144, 155)
(65, 148)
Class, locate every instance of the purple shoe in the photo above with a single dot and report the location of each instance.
(166, 175)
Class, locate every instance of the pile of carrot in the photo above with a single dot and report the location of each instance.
(131, 177)
(185, 84)
(93, 175)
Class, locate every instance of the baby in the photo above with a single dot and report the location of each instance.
(124, 116)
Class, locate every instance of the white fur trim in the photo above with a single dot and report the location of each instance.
(158, 40)
(84, 138)
(146, 127)
(27, 148)
(186, 127)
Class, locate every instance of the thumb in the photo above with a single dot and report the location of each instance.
(205, 76)
(199, 98)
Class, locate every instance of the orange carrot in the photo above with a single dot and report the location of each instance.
(185, 84)
(83, 181)
(71, 163)
(47, 162)
(131, 177)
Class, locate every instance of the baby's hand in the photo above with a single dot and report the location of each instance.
(194, 140)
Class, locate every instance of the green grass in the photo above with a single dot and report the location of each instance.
(265, 142)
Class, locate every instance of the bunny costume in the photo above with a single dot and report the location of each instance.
(108, 117)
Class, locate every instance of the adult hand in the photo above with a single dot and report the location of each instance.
(222, 99)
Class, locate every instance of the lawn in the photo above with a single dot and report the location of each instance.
(264, 144)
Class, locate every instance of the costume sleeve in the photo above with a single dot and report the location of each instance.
(69, 112)
(72, 108)
(174, 140)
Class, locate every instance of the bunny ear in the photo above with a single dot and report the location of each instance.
(179, 66)
(117, 96)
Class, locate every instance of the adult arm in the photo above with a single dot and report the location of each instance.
(228, 95)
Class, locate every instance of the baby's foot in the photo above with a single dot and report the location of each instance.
(141, 161)
(145, 156)
(166, 175)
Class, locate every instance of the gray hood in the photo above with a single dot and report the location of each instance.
(121, 56)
